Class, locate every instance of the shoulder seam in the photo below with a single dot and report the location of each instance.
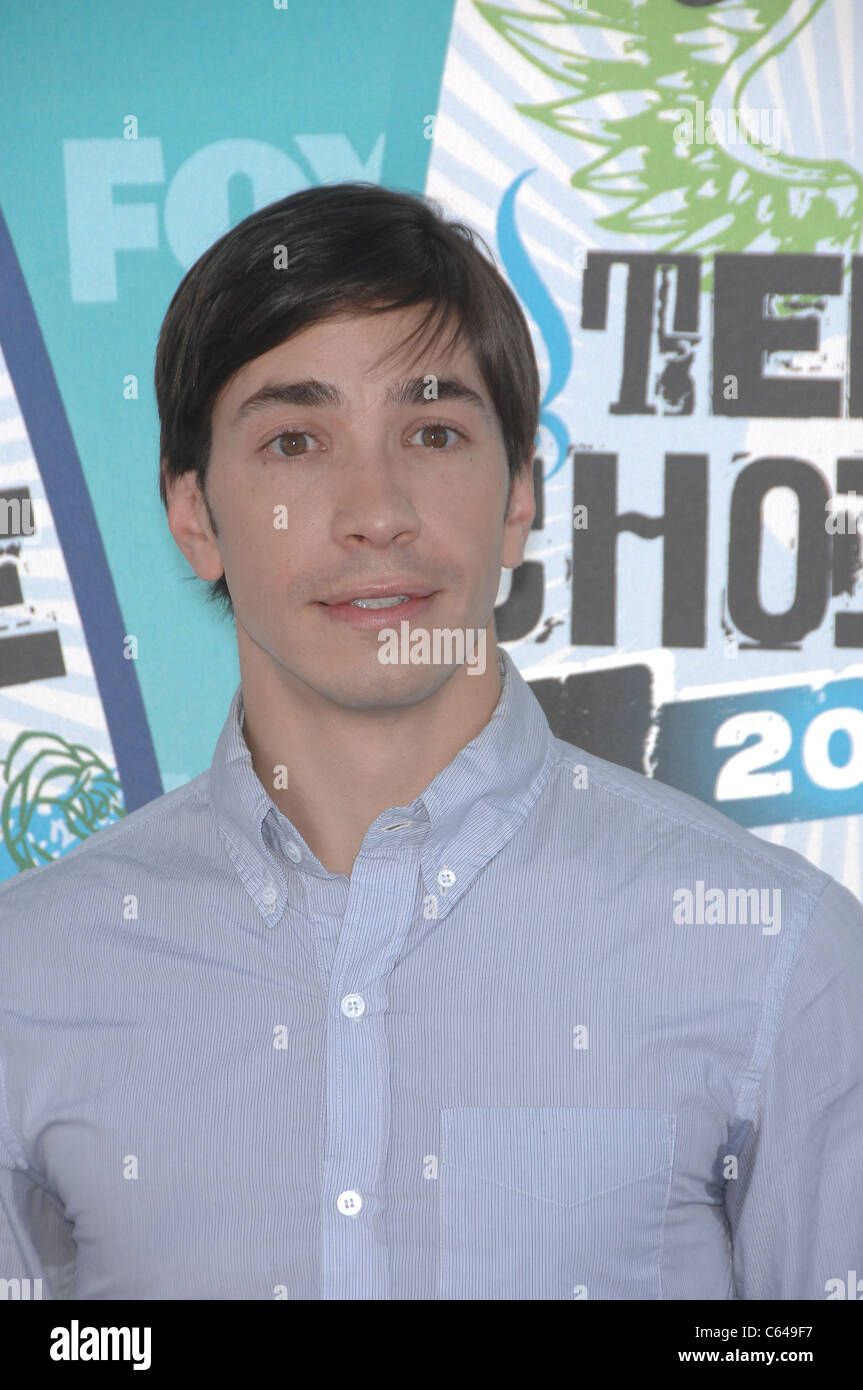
(8, 1137)
(119, 826)
(753, 1079)
(712, 832)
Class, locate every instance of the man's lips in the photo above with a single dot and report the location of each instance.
(390, 590)
(378, 617)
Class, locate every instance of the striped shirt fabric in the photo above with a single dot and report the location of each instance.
(564, 1033)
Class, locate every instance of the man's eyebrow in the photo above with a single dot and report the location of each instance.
(410, 391)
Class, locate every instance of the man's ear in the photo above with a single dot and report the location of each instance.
(520, 514)
(192, 525)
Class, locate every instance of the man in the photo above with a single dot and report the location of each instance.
(405, 998)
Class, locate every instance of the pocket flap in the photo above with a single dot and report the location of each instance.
(559, 1154)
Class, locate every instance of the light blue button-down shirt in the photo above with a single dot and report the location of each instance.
(523, 1052)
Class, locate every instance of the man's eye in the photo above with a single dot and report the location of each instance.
(437, 432)
(433, 436)
(293, 437)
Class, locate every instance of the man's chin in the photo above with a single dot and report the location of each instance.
(369, 685)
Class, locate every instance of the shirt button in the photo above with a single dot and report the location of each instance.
(446, 878)
(353, 1005)
(293, 852)
(349, 1203)
(269, 895)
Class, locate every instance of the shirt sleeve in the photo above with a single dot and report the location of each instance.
(37, 1250)
(796, 1207)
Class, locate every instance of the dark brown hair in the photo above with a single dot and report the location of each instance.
(349, 247)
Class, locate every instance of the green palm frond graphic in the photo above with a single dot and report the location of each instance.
(660, 59)
(53, 786)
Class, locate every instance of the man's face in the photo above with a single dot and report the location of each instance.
(316, 501)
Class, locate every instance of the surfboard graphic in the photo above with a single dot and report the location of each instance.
(75, 747)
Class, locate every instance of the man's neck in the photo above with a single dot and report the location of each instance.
(346, 766)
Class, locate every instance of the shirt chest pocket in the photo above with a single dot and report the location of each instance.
(553, 1202)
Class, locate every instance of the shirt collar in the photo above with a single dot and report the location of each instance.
(471, 808)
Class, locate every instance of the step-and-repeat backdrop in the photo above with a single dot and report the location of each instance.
(674, 189)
